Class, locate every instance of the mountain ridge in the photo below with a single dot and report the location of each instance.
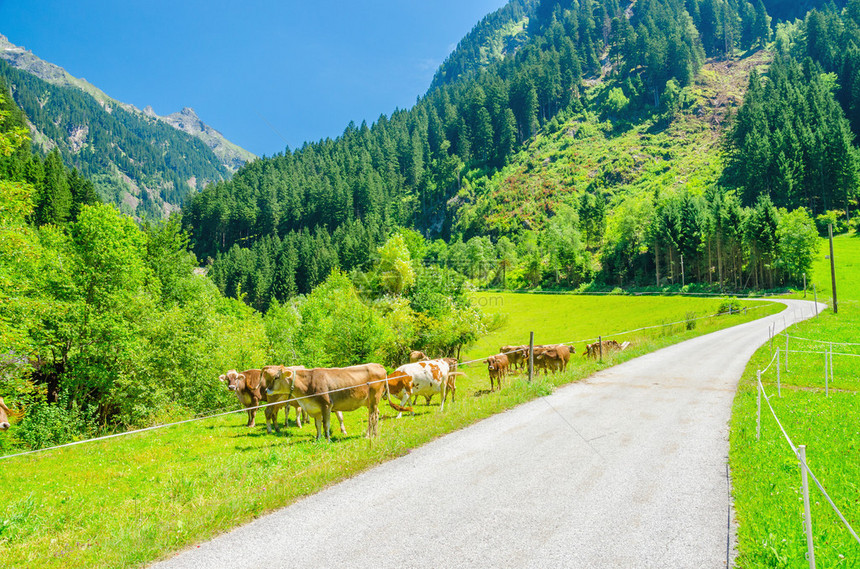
(232, 156)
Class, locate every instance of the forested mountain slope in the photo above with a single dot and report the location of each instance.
(144, 163)
(296, 216)
(499, 34)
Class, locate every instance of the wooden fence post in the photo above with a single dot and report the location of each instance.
(600, 346)
(531, 355)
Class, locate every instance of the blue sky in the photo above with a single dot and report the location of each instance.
(266, 74)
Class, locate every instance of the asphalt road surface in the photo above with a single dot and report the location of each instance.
(626, 469)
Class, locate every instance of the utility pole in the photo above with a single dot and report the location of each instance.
(804, 285)
(832, 269)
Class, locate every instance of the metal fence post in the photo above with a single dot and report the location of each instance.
(778, 380)
(815, 298)
(786, 352)
(807, 518)
(826, 373)
(758, 407)
(531, 355)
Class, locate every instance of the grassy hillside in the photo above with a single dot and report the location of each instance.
(765, 473)
(622, 154)
(124, 502)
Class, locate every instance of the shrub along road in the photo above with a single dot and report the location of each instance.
(627, 468)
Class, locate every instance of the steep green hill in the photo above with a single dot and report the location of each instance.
(614, 154)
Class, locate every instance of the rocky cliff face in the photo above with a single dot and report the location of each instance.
(231, 155)
(186, 120)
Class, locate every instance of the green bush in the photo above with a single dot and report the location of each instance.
(729, 306)
(691, 320)
(836, 217)
(48, 425)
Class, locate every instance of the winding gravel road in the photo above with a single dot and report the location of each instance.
(626, 469)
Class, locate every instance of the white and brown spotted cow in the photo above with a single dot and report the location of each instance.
(427, 378)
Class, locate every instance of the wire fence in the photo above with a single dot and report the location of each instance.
(800, 450)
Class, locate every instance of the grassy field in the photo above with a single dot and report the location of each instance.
(766, 475)
(127, 501)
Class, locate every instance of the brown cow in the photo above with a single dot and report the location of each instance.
(4, 415)
(593, 350)
(270, 374)
(518, 356)
(249, 388)
(552, 358)
(417, 356)
(498, 367)
(323, 390)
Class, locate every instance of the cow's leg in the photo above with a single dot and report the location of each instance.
(318, 423)
(372, 421)
(443, 393)
(404, 401)
(252, 413)
(339, 416)
(269, 412)
(326, 415)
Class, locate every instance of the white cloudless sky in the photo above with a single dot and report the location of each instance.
(266, 74)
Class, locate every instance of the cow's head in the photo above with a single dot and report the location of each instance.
(492, 363)
(4, 415)
(232, 379)
(281, 382)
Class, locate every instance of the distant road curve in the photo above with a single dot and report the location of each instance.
(626, 469)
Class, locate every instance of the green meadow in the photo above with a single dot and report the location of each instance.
(127, 501)
(825, 417)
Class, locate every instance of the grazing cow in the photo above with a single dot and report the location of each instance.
(417, 356)
(249, 388)
(323, 390)
(518, 356)
(498, 367)
(452, 382)
(270, 375)
(4, 415)
(593, 350)
(425, 378)
(552, 358)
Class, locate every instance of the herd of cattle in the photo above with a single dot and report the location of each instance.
(319, 392)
